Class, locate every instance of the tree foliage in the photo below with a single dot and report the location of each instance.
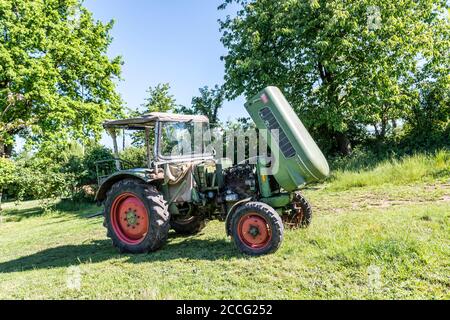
(159, 99)
(7, 169)
(56, 170)
(343, 64)
(55, 76)
(208, 103)
(134, 157)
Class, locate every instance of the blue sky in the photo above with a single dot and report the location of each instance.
(174, 41)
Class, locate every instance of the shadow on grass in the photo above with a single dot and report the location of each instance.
(16, 215)
(102, 250)
(65, 207)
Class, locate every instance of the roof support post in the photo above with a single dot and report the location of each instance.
(147, 144)
(113, 134)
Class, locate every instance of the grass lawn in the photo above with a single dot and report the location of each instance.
(385, 241)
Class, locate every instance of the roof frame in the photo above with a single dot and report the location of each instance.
(149, 120)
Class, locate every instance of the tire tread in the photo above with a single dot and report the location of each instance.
(159, 217)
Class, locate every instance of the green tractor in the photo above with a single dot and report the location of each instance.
(181, 191)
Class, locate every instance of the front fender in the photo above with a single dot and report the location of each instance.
(144, 175)
(231, 212)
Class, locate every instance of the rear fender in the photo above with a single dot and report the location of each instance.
(143, 175)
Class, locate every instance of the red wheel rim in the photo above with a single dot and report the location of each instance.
(129, 218)
(254, 231)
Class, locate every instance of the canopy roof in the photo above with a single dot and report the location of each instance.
(149, 120)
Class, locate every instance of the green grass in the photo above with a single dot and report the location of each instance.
(417, 168)
(388, 238)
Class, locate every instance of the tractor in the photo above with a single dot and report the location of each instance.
(182, 190)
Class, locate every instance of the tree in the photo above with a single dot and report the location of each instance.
(208, 103)
(55, 76)
(431, 112)
(159, 100)
(341, 63)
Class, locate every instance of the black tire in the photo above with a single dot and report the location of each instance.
(273, 224)
(304, 210)
(157, 214)
(188, 226)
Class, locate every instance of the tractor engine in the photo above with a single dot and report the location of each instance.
(240, 182)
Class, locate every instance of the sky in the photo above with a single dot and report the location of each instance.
(174, 41)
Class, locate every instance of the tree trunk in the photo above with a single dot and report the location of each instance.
(343, 143)
(5, 150)
(384, 124)
(2, 150)
(394, 124)
(377, 132)
(214, 116)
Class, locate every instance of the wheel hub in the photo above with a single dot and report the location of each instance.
(132, 217)
(254, 231)
(129, 218)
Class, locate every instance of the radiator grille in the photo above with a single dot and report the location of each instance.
(272, 124)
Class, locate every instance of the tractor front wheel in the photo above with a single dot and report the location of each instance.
(257, 229)
(136, 217)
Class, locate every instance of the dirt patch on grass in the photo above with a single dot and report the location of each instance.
(387, 197)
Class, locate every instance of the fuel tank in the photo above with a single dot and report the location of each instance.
(299, 160)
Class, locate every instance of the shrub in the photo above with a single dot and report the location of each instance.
(41, 179)
(134, 157)
(56, 171)
(7, 169)
(92, 155)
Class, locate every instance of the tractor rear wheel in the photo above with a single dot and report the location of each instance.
(136, 217)
(188, 225)
(257, 229)
(301, 212)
